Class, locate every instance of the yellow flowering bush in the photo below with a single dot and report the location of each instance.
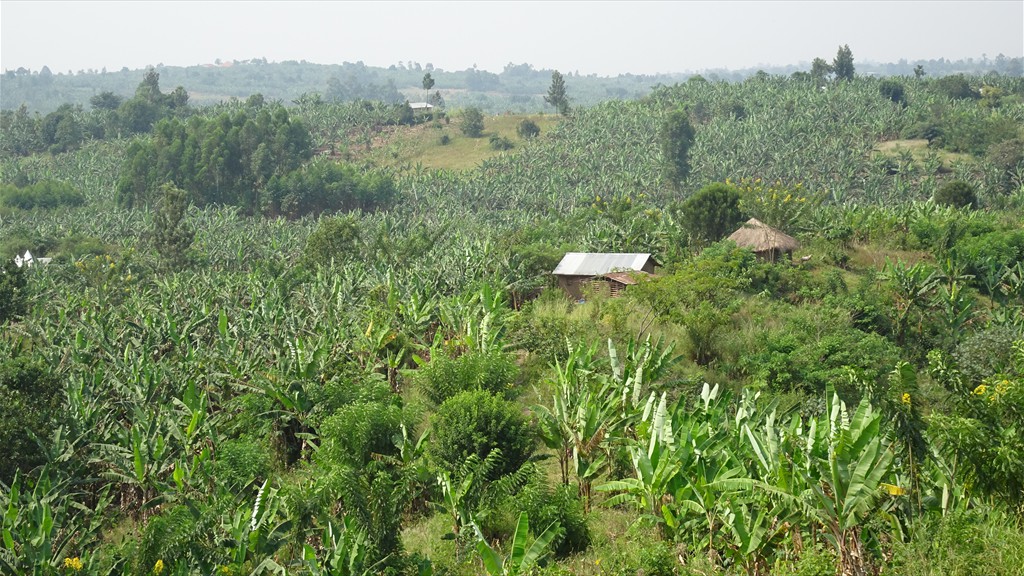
(776, 204)
(73, 564)
(109, 276)
(985, 437)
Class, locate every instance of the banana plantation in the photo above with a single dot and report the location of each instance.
(279, 357)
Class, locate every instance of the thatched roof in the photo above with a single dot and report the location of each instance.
(761, 237)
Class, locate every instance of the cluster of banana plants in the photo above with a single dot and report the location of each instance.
(737, 479)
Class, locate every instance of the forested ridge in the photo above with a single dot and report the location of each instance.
(306, 338)
(517, 86)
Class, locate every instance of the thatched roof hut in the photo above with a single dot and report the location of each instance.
(767, 242)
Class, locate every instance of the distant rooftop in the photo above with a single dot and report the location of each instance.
(595, 263)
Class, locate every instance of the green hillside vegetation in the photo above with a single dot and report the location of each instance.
(310, 339)
(426, 145)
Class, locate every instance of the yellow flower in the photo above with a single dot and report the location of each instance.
(906, 399)
(73, 564)
(893, 490)
(980, 389)
(158, 567)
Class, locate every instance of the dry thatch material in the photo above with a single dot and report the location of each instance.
(761, 237)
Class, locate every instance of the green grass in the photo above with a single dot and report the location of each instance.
(412, 145)
(918, 147)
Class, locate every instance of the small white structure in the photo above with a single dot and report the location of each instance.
(28, 260)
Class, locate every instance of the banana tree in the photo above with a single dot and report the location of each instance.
(345, 552)
(41, 528)
(582, 415)
(523, 555)
(657, 474)
(257, 533)
(462, 493)
(851, 459)
(912, 285)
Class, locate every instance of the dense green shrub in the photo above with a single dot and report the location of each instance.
(893, 90)
(326, 186)
(816, 561)
(814, 349)
(976, 252)
(13, 291)
(981, 433)
(500, 142)
(528, 129)
(349, 385)
(969, 133)
(956, 87)
(357, 431)
(241, 461)
(962, 543)
(183, 538)
(546, 504)
(985, 353)
(445, 377)
(472, 124)
(1008, 158)
(712, 213)
(544, 325)
(46, 194)
(477, 422)
(650, 557)
(31, 406)
(334, 240)
(958, 194)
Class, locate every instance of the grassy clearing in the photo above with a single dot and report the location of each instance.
(864, 257)
(919, 150)
(412, 145)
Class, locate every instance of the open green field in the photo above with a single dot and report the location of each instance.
(421, 144)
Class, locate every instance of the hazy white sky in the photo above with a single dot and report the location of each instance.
(604, 38)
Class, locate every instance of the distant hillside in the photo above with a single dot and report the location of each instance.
(519, 88)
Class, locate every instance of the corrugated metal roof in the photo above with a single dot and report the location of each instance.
(592, 264)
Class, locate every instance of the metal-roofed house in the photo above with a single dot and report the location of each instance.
(579, 270)
(422, 109)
